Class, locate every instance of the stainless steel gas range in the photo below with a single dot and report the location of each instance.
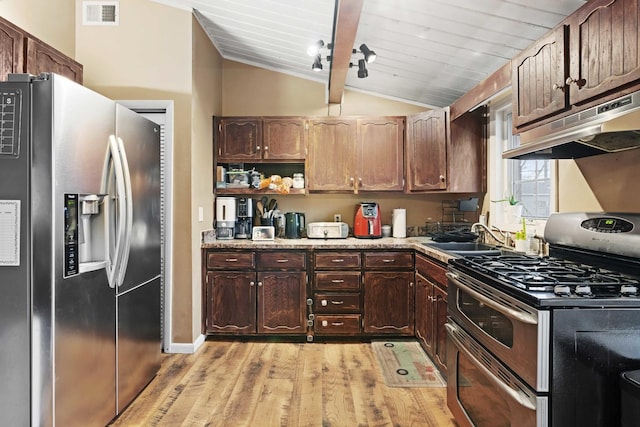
(542, 341)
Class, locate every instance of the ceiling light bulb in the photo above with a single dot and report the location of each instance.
(369, 55)
(362, 69)
(314, 49)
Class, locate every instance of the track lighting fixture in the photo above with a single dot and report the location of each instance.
(368, 54)
(317, 64)
(315, 48)
(362, 69)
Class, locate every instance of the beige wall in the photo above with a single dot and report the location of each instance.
(206, 102)
(149, 56)
(52, 21)
(251, 91)
(613, 179)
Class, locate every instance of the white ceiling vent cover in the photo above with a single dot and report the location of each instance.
(100, 12)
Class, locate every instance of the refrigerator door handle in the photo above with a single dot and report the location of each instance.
(126, 248)
(113, 158)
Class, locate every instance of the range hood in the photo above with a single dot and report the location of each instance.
(606, 128)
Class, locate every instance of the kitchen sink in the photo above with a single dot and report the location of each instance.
(464, 248)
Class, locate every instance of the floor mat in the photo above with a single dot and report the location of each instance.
(404, 364)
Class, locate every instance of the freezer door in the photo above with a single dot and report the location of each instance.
(139, 140)
(77, 376)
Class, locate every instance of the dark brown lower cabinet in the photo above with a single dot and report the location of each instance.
(431, 309)
(255, 292)
(389, 293)
(231, 302)
(281, 302)
(388, 302)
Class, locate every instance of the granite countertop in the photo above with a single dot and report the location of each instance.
(416, 243)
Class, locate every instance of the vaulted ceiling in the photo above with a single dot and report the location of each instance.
(429, 52)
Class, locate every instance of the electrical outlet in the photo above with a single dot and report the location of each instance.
(337, 218)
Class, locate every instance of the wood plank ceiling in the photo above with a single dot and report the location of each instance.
(429, 52)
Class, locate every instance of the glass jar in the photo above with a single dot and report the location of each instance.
(298, 180)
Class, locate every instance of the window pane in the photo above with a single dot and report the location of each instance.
(529, 180)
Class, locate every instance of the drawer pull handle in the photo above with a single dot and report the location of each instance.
(231, 259)
(388, 260)
(337, 302)
(337, 323)
(337, 260)
(337, 281)
(282, 260)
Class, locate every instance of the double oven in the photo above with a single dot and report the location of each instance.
(542, 341)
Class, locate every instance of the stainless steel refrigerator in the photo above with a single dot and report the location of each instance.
(80, 253)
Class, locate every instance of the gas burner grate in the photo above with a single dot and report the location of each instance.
(544, 274)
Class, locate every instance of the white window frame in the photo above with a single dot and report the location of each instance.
(498, 172)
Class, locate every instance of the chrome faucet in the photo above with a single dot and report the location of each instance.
(479, 224)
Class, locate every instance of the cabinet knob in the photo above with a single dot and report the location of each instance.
(441, 178)
(558, 86)
(352, 181)
(578, 82)
(259, 283)
(252, 283)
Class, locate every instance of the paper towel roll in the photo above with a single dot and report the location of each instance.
(399, 223)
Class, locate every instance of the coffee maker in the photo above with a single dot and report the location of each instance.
(225, 217)
(244, 217)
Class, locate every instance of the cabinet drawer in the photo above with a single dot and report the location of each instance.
(339, 280)
(388, 260)
(336, 303)
(230, 260)
(337, 260)
(281, 260)
(339, 324)
(431, 270)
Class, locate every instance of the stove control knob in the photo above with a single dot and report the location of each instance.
(583, 290)
(628, 290)
(562, 290)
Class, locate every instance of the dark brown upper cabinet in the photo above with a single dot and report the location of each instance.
(20, 52)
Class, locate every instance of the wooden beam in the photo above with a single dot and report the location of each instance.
(344, 36)
(499, 80)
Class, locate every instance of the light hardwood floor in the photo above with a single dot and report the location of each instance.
(235, 383)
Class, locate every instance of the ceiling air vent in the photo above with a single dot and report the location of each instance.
(100, 12)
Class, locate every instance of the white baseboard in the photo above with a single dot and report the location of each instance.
(187, 348)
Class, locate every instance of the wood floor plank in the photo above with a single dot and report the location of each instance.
(238, 383)
(218, 380)
(337, 400)
(306, 406)
(367, 387)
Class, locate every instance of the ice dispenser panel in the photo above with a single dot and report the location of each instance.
(84, 238)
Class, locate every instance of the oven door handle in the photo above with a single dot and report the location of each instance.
(520, 316)
(519, 397)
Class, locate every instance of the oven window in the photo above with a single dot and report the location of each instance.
(494, 323)
(481, 400)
